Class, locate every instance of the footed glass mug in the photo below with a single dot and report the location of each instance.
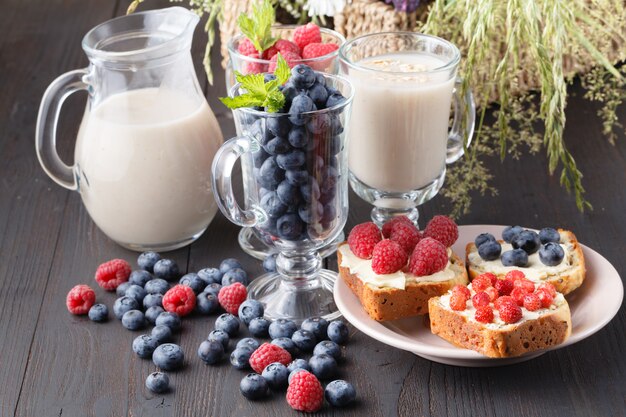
(142, 161)
(405, 85)
(296, 197)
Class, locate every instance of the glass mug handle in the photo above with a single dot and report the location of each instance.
(464, 116)
(222, 169)
(47, 120)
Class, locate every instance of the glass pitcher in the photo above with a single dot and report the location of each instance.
(142, 161)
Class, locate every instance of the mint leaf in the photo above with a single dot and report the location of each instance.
(275, 101)
(243, 100)
(258, 27)
(253, 83)
(282, 71)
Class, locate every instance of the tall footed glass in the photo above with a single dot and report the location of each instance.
(296, 197)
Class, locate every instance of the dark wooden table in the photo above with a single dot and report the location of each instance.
(55, 364)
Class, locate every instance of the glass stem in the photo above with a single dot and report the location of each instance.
(299, 270)
(381, 215)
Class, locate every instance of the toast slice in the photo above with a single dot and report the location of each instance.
(566, 277)
(536, 330)
(403, 295)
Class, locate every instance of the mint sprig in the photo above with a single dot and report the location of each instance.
(258, 92)
(258, 27)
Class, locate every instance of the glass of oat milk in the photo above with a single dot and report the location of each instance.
(401, 135)
(142, 161)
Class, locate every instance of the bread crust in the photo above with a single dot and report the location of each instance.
(548, 330)
(564, 282)
(383, 304)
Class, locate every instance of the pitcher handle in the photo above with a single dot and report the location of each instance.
(222, 169)
(47, 121)
(464, 119)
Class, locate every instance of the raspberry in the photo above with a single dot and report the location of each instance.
(510, 313)
(504, 286)
(458, 288)
(525, 284)
(179, 299)
(492, 293)
(232, 296)
(268, 353)
(458, 301)
(443, 229)
(388, 257)
(547, 287)
(291, 58)
(246, 47)
(406, 235)
(315, 50)
(112, 273)
(545, 297)
(253, 67)
(503, 300)
(481, 282)
(514, 275)
(484, 314)
(518, 295)
(305, 393)
(80, 299)
(480, 299)
(304, 35)
(429, 256)
(283, 46)
(362, 239)
(388, 227)
(532, 302)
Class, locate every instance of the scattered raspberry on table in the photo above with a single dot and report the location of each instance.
(80, 299)
(179, 299)
(112, 273)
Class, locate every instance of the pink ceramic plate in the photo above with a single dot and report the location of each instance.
(593, 305)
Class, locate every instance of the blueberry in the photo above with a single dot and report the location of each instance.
(259, 327)
(332, 145)
(482, 238)
(548, 234)
(152, 313)
(250, 309)
(319, 124)
(171, 320)
(152, 300)
(289, 227)
(136, 292)
(330, 176)
(259, 131)
(206, 303)
(328, 347)
(291, 160)
(279, 126)
(269, 263)
(277, 146)
(338, 332)
(147, 260)
(120, 291)
(254, 387)
(304, 340)
(157, 286)
(490, 250)
(528, 241)
(213, 289)
(339, 393)
(134, 320)
(319, 78)
(323, 366)
(311, 213)
(330, 212)
(302, 77)
(168, 356)
(299, 105)
(551, 254)
(318, 94)
(299, 364)
(248, 342)
(268, 77)
(158, 382)
(140, 277)
(228, 323)
(270, 174)
(161, 334)
(144, 346)
(210, 352)
(276, 375)
(334, 100)
(510, 233)
(235, 275)
(193, 281)
(240, 357)
(292, 373)
(297, 176)
(166, 269)
(258, 157)
(282, 328)
(124, 304)
(298, 137)
(316, 325)
(219, 336)
(272, 205)
(228, 264)
(210, 275)
(98, 313)
(311, 191)
(286, 343)
(515, 257)
(288, 194)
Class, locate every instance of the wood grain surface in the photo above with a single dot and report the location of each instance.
(55, 364)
